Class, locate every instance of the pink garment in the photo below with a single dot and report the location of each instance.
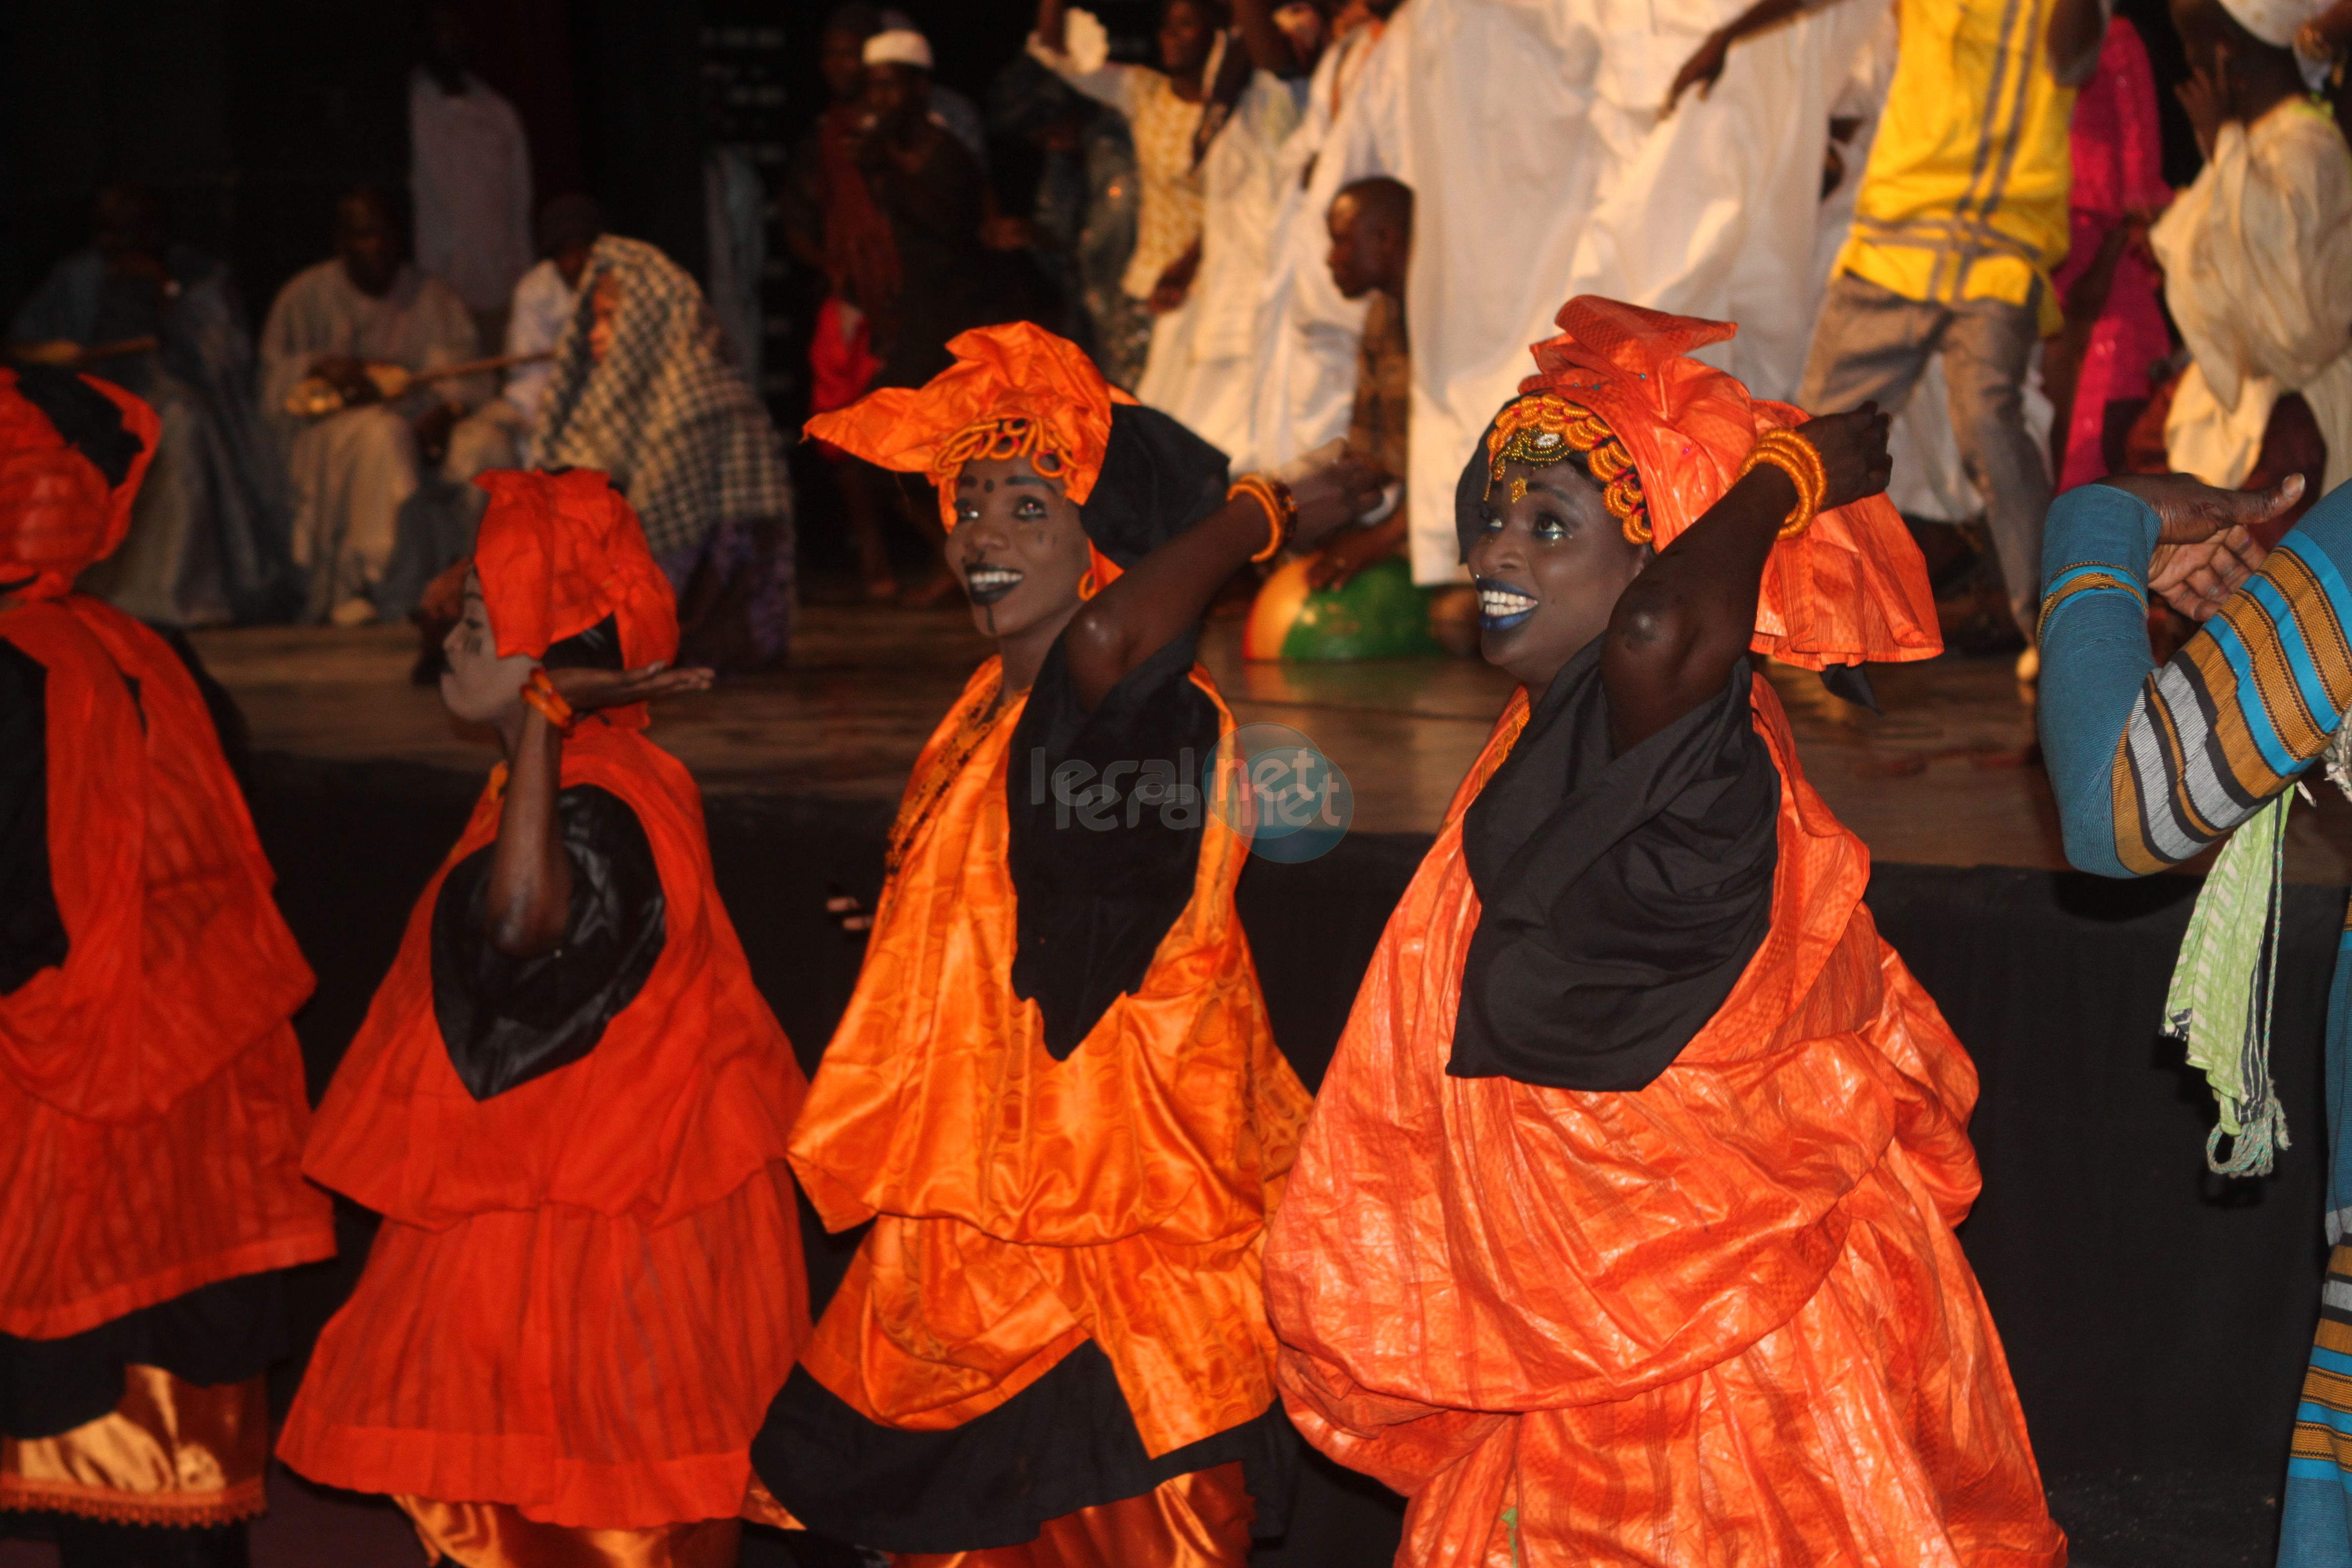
(2119, 168)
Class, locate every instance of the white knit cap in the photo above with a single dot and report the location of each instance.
(898, 47)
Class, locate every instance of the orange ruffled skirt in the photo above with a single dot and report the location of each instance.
(561, 1360)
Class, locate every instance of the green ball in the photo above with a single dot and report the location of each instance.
(1378, 614)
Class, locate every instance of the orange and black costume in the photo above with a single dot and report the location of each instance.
(1622, 1232)
(1055, 1093)
(151, 1100)
(588, 1280)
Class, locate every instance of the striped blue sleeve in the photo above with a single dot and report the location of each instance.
(2094, 655)
(2152, 763)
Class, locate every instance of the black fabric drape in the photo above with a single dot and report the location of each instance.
(1105, 814)
(505, 1021)
(1066, 1442)
(32, 933)
(1620, 896)
(223, 1333)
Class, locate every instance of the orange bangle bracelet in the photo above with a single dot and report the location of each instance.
(1801, 461)
(540, 693)
(1281, 511)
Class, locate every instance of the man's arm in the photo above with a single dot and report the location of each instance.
(1702, 70)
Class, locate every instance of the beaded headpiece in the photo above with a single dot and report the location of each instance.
(1544, 429)
(992, 440)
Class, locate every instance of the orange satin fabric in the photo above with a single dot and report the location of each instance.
(57, 513)
(151, 1100)
(172, 1453)
(1197, 1521)
(1027, 1204)
(1851, 588)
(1014, 371)
(558, 552)
(495, 1535)
(1721, 1320)
(587, 1288)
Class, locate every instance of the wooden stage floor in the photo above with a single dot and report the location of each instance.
(1944, 776)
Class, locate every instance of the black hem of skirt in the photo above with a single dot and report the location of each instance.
(1066, 1442)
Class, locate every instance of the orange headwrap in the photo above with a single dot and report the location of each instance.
(57, 513)
(559, 553)
(1851, 588)
(1015, 390)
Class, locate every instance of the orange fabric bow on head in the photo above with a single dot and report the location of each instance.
(57, 514)
(556, 554)
(1849, 590)
(1015, 390)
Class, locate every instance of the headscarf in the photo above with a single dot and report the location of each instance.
(1851, 588)
(69, 473)
(663, 413)
(559, 553)
(1138, 477)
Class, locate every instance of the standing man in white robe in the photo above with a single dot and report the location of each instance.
(350, 471)
(1308, 335)
(469, 175)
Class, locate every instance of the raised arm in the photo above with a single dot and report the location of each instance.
(529, 901)
(1680, 626)
(1169, 590)
(528, 904)
(1702, 70)
(2151, 763)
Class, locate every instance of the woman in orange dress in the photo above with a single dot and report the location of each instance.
(570, 1107)
(1622, 1231)
(1055, 1092)
(152, 1102)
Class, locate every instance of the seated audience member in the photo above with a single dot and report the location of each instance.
(544, 303)
(2257, 258)
(643, 390)
(367, 309)
(207, 541)
(1371, 243)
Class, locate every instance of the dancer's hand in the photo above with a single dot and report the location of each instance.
(1331, 492)
(1855, 462)
(2203, 551)
(589, 689)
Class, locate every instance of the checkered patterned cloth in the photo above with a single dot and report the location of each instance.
(663, 413)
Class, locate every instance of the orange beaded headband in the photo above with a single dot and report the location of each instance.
(1545, 429)
(991, 440)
